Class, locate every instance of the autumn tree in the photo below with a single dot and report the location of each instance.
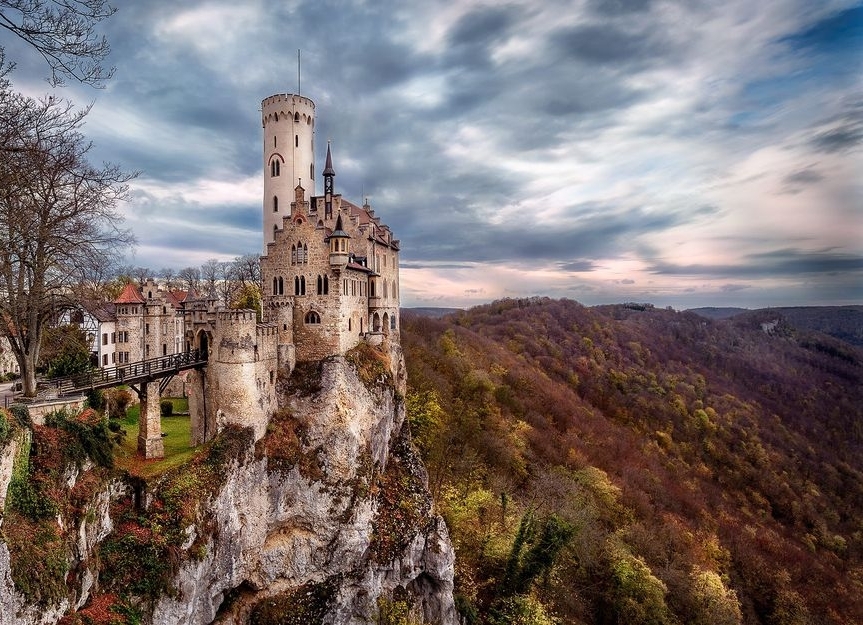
(58, 218)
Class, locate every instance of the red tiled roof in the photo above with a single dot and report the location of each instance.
(130, 295)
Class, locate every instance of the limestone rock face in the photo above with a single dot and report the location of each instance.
(325, 519)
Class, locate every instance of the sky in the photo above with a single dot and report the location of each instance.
(686, 154)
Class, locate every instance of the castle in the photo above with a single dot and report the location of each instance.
(330, 280)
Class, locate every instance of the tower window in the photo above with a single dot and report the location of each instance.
(275, 204)
(274, 142)
(313, 318)
(275, 168)
(296, 117)
(296, 141)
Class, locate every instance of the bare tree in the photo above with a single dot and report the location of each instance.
(247, 269)
(226, 285)
(64, 33)
(58, 221)
(140, 274)
(170, 277)
(210, 275)
(190, 277)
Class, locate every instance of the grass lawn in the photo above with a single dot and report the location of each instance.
(177, 430)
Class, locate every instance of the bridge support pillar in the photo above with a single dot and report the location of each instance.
(150, 444)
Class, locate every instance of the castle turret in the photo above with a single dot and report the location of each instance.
(329, 175)
(289, 161)
(339, 242)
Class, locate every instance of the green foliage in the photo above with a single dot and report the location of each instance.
(521, 610)
(38, 557)
(64, 351)
(90, 429)
(306, 605)
(534, 552)
(22, 415)
(117, 402)
(166, 407)
(5, 427)
(715, 603)
(396, 612)
(23, 495)
(96, 399)
(372, 365)
(638, 597)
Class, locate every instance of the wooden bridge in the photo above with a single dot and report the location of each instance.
(142, 372)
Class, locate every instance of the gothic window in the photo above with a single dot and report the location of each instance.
(281, 286)
(326, 285)
(275, 204)
(305, 253)
(275, 168)
(275, 286)
(296, 285)
(313, 318)
(296, 117)
(293, 254)
(302, 285)
(320, 285)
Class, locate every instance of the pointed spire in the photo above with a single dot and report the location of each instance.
(328, 168)
(339, 231)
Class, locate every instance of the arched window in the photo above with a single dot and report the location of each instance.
(302, 285)
(386, 325)
(313, 318)
(293, 254)
(326, 285)
(276, 117)
(281, 286)
(305, 253)
(296, 285)
(275, 204)
(376, 323)
(296, 117)
(275, 286)
(320, 285)
(275, 168)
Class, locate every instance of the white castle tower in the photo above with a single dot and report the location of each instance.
(289, 155)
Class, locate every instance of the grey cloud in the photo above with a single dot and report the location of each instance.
(620, 7)
(578, 266)
(775, 263)
(845, 132)
(607, 43)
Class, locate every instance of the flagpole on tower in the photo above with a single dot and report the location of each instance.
(298, 72)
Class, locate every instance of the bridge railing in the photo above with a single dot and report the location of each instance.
(150, 369)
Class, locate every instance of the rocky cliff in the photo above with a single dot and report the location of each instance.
(325, 519)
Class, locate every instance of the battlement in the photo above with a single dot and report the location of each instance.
(285, 105)
(263, 330)
(237, 317)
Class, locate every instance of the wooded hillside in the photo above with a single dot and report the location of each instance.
(624, 464)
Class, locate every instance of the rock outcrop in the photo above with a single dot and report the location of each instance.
(325, 519)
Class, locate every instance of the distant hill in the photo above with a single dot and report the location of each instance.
(432, 312)
(842, 322)
(717, 313)
(626, 464)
